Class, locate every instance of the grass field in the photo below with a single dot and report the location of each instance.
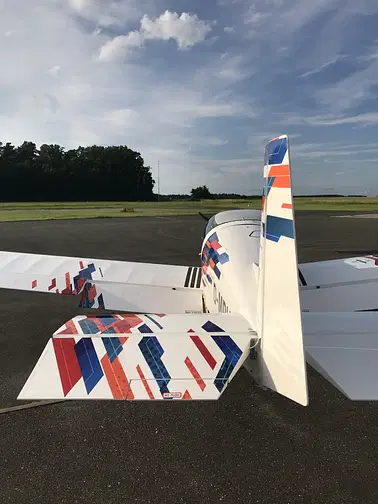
(92, 210)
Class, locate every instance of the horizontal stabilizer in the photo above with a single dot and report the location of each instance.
(340, 285)
(144, 298)
(342, 347)
(107, 284)
(141, 357)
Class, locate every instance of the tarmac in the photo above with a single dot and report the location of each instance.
(251, 446)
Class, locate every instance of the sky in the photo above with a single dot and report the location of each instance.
(199, 86)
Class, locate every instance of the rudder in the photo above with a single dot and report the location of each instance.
(281, 359)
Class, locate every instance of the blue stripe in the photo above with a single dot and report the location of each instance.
(223, 258)
(216, 271)
(113, 347)
(152, 352)
(101, 303)
(154, 321)
(109, 330)
(211, 327)
(90, 366)
(277, 150)
(277, 227)
(269, 185)
(232, 355)
(85, 273)
(145, 329)
(106, 319)
(88, 326)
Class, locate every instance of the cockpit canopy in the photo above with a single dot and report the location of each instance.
(232, 216)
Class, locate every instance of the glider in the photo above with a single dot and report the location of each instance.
(184, 332)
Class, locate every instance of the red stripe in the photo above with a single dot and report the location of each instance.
(146, 386)
(279, 170)
(68, 281)
(287, 205)
(118, 383)
(81, 264)
(204, 351)
(53, 284)
(68, 365)
(70, 328)
(195, 374)
(375, 259)
(186, 395)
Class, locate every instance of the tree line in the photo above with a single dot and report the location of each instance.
(93, 173)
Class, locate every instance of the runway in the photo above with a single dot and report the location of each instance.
(251, 446)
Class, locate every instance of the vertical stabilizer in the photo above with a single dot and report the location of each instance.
(282, 365)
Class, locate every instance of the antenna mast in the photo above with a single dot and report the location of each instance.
(158, 181)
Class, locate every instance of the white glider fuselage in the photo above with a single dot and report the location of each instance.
(230, 257)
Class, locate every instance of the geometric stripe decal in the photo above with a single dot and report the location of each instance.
(195, 373)
(69, 369)
(211, 327)
(204, 351)
(211, 256)
(277, 227)
(113, 347)
(90, 366)
(154, 321)
(89, 326)
(145, 382)
(232, 353)
(152, 352)
(277, 150)
(117, 380)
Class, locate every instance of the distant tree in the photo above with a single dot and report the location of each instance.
(201, 192)
(87, 173)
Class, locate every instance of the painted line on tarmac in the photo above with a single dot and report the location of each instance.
(34, 404)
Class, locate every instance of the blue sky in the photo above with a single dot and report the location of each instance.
(200, 85)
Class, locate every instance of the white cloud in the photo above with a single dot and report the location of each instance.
(254, 17)
(322, 67)
(187, 30)
(349, 92)
(229, 29)
(122, 118)
(367, 119)
(118, 47)
(54, 71)
(79, 5)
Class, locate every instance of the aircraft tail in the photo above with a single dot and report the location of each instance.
(281, 359)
